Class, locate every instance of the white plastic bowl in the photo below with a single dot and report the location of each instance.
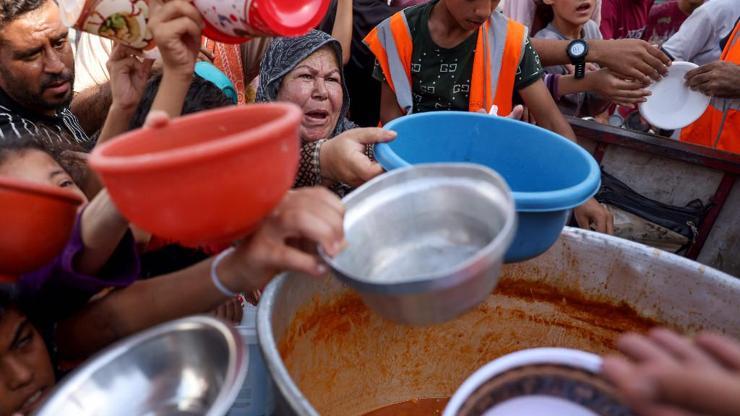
(673, 105)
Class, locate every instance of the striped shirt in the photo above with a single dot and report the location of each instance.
(63, 128)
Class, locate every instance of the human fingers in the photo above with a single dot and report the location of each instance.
(184, 27)
(365, 169)
(157, 119)
(681, 347)
(723, 349)
(600, 221)
(700, 70)
(174, 9)
(637, 387)
(370, 135)
(288, 258)
(665, 60)
(642, 349)
(316, 195)
(703, 83)
(609, 221)
(516, 113)
(627, 102)
(310, 221)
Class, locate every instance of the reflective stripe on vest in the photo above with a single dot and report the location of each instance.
(719, 126)
(499, 50)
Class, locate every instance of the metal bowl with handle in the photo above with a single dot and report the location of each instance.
(192, 366)
(426, 243)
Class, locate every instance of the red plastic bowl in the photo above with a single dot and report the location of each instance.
(206, 178)
(36, 224)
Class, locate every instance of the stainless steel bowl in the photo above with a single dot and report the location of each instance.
(426, 243)
(193, 366)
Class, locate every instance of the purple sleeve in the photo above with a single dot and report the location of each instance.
(60, 280)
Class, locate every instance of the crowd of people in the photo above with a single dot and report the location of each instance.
(63, 93)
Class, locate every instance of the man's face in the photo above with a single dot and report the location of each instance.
(26, 374)
(36, 61)
(471, 14)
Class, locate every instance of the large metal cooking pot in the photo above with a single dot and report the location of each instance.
(330, 355)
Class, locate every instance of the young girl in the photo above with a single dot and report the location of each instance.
(100, 253)
(570, 20)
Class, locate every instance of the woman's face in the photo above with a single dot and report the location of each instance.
(36, 166)
(26, 374)
(315, 85)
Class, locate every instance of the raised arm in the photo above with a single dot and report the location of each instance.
(628, 58)
(311, 214)
(176, 26)
(343, 26)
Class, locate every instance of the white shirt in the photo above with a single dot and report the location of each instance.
(698, 38)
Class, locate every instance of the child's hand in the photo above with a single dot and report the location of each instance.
(593, 215)
(230, 311)
(666, 374)
(128, 77)
(309, 214)
(626, 93)
(176, 26)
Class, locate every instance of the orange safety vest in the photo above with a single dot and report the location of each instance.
(719, 126)
(498, 52)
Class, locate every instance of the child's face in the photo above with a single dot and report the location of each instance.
(36, 166)
(471, 14)
(576, 12)
(26, 374)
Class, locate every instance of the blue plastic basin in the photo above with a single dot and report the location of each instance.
(548, 174)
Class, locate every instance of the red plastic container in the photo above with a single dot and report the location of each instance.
(206, 178)
(237, 21)
(36, 224)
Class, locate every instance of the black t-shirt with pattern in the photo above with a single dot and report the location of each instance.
(440, 76)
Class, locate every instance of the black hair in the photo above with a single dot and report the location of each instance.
(13, 9)
(202, 95)
(60, 153)
(7, 296)
(543, 15)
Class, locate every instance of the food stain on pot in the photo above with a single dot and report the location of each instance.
(348, 361)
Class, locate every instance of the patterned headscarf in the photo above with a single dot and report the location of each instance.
(284, 54)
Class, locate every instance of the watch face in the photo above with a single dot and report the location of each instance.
(577, 49)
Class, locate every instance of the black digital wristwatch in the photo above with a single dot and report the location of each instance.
(577, 51)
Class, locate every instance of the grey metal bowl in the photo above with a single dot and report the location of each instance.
(426, 243)
(192, 366)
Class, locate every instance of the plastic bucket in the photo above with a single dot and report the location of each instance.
(547, 173)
